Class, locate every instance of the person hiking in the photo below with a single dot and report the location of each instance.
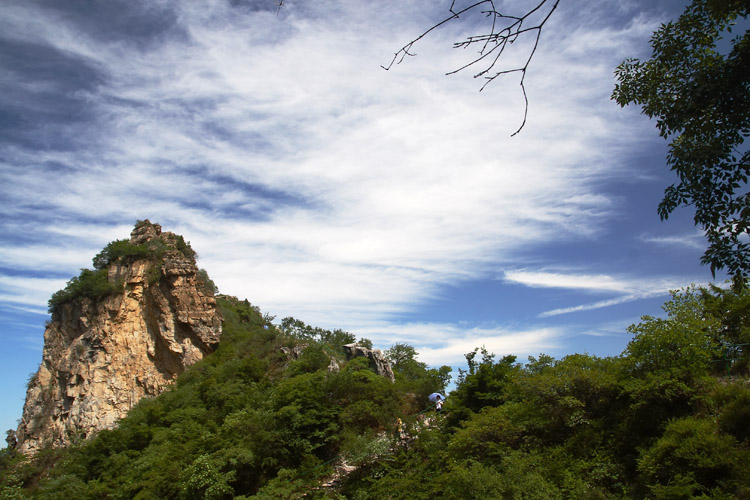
(438, 399)
(400, 432)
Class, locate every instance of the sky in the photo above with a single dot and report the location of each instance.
(393, 204)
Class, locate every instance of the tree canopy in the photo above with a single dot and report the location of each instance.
(697, 87)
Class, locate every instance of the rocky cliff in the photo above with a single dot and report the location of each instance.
(103, 353)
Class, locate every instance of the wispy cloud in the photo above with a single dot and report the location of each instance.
(627, 289)
(28, 341)
(603, 303)
(589, 282)
(694, 240)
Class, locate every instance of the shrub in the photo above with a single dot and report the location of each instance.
(735, 412)
(89, 284)
(207, 284)
(202, 480)
(691, 458)
(185, 248)
(120, 249)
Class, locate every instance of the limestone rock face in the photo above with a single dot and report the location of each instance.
(377, 359)
(102, 356)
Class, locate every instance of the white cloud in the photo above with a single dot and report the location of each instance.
(570, 281)
(628, 289)
(602, 303)
(696, 240)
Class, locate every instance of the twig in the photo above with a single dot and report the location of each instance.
(493, 43)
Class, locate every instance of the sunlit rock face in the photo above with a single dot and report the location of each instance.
(102, 356)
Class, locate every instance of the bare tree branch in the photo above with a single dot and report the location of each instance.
(504, 30)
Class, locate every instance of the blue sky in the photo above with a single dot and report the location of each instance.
(393, 204)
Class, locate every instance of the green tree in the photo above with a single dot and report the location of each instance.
(302, 331)
(483, 385)
(699, 94)
(202, 480)
(732, 309)
(666, 370)
(208, 285)
(402, 357)
(119, 249)
(678, 348)
(90, 284)
(691, 459)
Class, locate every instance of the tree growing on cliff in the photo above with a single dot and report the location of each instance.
(699, 92)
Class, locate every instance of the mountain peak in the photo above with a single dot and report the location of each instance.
(118, 333)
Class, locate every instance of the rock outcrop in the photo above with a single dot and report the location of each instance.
(293, 353)
(377, 361)
(102, 355)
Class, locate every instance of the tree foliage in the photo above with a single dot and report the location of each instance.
(125, 250)
(334, 339)
(697, 87)
(89, 284)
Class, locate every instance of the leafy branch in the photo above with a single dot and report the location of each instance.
(504, 30)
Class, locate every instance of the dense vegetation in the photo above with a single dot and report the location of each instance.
(666, 419)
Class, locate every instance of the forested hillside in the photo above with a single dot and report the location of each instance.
(267, 416)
